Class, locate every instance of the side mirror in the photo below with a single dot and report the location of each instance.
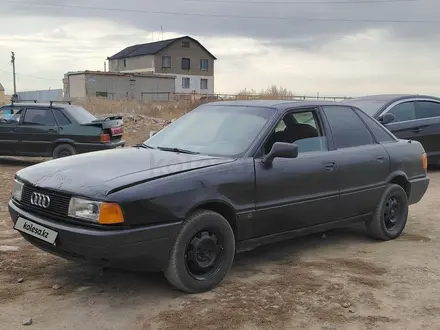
(386, 118)
(282, 150)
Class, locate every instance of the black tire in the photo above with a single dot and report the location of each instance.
(193, 242)
(63, 150)
(386, 224)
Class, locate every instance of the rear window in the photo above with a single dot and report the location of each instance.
(370, 107)
(80, 114)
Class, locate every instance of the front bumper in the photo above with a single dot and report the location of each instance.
(141, 248)
(418, 189)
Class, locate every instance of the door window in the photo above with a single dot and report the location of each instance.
(427, 109)
(301, 128)
(62, 120)
(347, 128)
(42, 117)
(403, 112)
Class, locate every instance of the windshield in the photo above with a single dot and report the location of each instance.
(80, 114)
(368, 106)
(214, 130)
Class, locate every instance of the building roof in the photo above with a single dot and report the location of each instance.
(111, 73)
(150, 48)
(2, 89)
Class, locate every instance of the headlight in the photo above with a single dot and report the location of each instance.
(99, 212)
(17, 189)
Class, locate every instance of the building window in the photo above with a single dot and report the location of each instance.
(185, 83)
(204, 65)
(186, 63)
(101, 94)
(125, 63)
(166, 61)
(185, 44)
(203, 83)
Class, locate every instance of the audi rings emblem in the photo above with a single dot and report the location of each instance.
(40, 200)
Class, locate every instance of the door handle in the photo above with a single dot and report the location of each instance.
(330, 166)
(417, 130)
(13, 130)
(52, 130)
(379, 159)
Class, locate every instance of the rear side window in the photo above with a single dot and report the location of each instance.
(378, 130)
(347, 128)
(62, 120)
(427, 109)
(42, 117)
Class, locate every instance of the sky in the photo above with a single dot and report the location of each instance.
(330, 47)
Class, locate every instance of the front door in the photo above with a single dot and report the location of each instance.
(38, 130)
(9, 138)
(299, 192)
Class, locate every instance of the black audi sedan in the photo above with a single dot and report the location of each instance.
(416, 117)
(224, 178)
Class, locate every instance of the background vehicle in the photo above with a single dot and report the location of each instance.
(224, 178)
(417, 117)
(55, 129)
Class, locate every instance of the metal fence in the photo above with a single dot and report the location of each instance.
(192, 97)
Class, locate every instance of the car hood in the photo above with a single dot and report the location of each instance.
(97, 174)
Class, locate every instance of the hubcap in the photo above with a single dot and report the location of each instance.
(204, 253)
(391, 212)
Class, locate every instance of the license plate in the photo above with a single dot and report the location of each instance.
(36, 230)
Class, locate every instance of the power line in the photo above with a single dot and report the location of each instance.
(302, 2)
(327, 19)
(34, 77)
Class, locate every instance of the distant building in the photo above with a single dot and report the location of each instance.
(118, 85)
(2, 93)
(41, 95)
(184, 57)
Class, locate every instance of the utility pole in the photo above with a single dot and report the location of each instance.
(15, 96)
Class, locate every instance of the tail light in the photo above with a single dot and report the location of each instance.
(424, 161)
(104, 137)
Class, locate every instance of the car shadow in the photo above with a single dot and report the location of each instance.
(77, 278)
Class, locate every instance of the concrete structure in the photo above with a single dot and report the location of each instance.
(118, 85)
(42, 95)
(2, 94)
(184, 57)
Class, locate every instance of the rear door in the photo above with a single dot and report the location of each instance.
(428, 128)
(363, 163)
(38, 131)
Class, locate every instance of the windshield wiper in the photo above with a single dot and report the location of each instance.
(143, 145)
(182, 151)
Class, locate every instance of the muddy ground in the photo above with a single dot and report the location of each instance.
(340, 280)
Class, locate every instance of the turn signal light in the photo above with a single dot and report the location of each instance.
(104, 137)
(110, 213)
(424, 161)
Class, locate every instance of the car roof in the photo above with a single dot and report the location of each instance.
(388, 97)
(276, 104)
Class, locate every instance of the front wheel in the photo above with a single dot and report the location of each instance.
(389, 219)
(202, 254)
(63, 150)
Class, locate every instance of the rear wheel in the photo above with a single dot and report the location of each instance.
(63, 150)
(202, 253)
(391, 214)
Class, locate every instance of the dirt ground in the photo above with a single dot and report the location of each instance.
(340, 280)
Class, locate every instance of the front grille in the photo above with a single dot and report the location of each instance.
(59, 203)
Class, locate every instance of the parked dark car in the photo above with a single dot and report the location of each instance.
(55, 129)
(416, 117)
(224, 178)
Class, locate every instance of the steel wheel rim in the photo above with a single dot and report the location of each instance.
(392, 213)
(204, 254)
